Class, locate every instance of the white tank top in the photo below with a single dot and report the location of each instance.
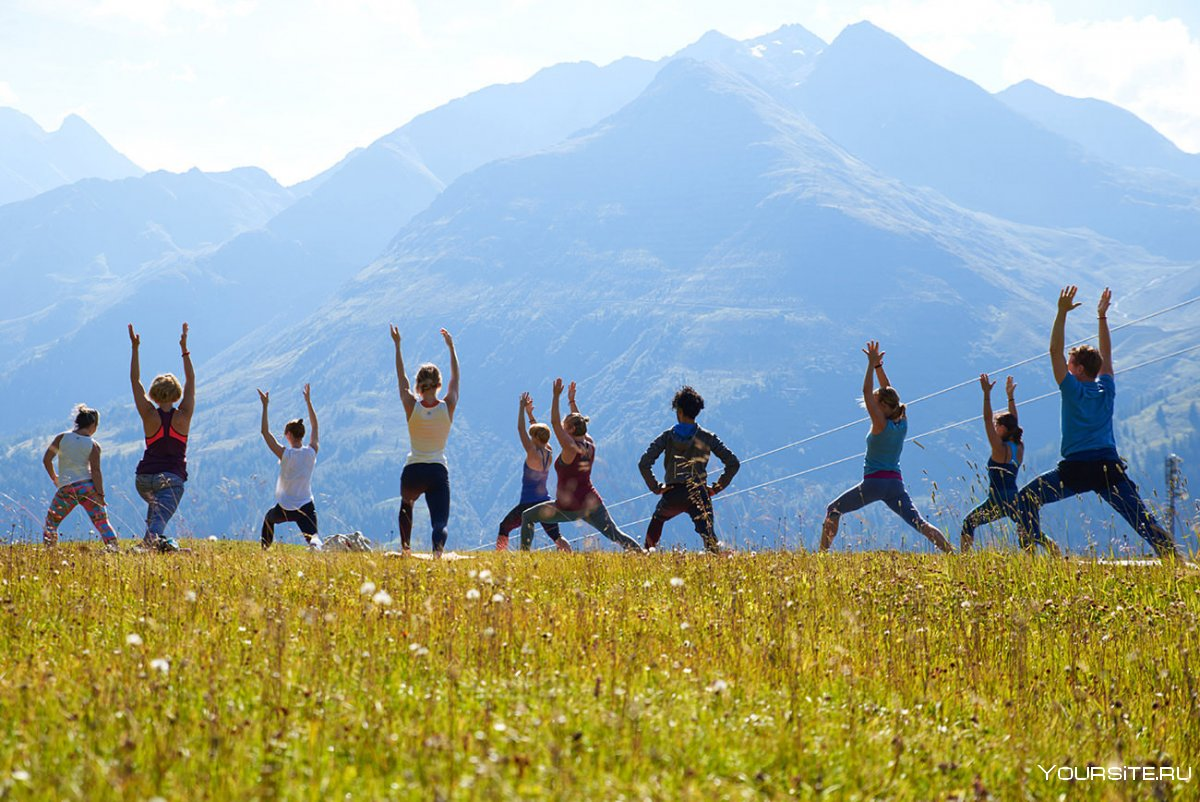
(74, 459)
(428, 431)
(294, 488)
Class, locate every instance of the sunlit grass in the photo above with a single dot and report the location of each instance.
(232, 674)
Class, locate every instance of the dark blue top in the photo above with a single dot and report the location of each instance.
(1087, 418)
(1003, 475)
(533, 483)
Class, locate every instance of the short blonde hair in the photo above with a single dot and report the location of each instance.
(165, 389)
(428, 377)
(540, 432)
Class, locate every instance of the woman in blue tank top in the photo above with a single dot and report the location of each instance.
(535, 470)
(1004, 460)
(881, 472)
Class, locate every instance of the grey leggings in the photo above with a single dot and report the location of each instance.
(597, 517)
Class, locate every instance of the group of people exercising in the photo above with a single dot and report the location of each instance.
(1090, 462)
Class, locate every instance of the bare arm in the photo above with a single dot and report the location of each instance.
(406, 395)
(48, 458)
(874, 410)
(571, 398)
(1104, 340)
(144, 407)
(989, 424)
(569, 449)
(1058, 337)
(313, 437)
(272, 443)
(881, 374)
(188, 403)
(97, 475)
(1010, 389)
(526, 440)
(451, 397)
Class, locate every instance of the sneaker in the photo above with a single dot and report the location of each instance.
(315, 544)
(562, 545)
(111, 547)
(167, 544)
(501, 542)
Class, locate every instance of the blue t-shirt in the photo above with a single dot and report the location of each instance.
(1087, 415)
(883, 449)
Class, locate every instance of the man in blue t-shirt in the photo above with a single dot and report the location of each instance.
(1090, 462)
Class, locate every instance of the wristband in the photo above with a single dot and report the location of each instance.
(186, 353)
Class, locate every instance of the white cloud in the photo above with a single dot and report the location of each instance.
(186, 75)
(7, 96)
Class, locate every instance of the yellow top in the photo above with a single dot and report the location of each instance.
(428, 430)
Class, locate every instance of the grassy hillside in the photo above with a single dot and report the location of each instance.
(227, 674)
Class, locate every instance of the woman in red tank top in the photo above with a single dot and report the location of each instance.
(163, 469)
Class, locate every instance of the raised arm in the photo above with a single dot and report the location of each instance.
(188, 403)
(571, 398)
(313, 437)
(144, 407)
(874, 410)
(1058, 336)
(1104, 340)
(406, 395)
(451, 397)
(97, 475)
(881, 374)
(989, 423)
(526, 440)
(565, 440)
(48, 458)
(1010, 389)
(272, 443)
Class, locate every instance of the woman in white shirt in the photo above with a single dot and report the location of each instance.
(293, 490)
(78, 479)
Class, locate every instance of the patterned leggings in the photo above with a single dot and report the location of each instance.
(81, 493)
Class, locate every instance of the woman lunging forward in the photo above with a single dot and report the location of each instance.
(79, 480)
(575, 498)
(882, 480)
(163, 470)
(535, 471)
(293, 490)
(1007, 453)
(425, 471)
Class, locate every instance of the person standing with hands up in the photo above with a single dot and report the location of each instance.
(293, 490)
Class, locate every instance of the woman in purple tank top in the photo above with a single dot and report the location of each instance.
(163, 469)
(535, 470)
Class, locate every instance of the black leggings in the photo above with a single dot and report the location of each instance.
(432, 480)
(513, 519)
(691, 498)
(305, 518)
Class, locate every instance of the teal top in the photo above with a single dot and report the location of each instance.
(883, 449)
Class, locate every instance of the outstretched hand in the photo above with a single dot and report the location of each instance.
(1010, 386)
(571, 393)
(183, 338)
(134, 338)
(1105, 301)
(448, 338)
(874, 355)
(986, 383)
(264, 397)
(395, 332)
(527, 401)
(558, 387)
(308, 394)
(1066, 299)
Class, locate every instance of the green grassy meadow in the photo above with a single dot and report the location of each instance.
(231, 674)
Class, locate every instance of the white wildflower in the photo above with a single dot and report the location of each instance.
(133, 639)
(472, 594)
(161, 665)
(499, 597)
(382, 598)
(367, 588)
(676, 581)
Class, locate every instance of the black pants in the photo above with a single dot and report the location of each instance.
(513, 519)
(305, 518)
(691, 498)
(432, 480)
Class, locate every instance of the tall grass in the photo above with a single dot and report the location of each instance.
(230, 674)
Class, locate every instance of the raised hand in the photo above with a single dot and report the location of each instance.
(558, 387)
(307, 394)
(183, 338)
(264, 397)
(395, 332)
(527, 401)
(1105, 300)
(448, 338)
(571, 393)
(986, 383)
(1066, 299)
(1010, 386)
(874, 355)
(134, 339)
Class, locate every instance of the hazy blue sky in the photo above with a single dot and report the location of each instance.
(292, 85)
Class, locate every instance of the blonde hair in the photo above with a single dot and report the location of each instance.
(428, 377)
(576, 423)
(540, 432)
(889, 396)
(165, 389)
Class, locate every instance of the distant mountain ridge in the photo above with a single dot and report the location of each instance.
(33, 161)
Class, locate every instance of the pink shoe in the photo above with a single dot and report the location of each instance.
(501, 542)
(563, 545)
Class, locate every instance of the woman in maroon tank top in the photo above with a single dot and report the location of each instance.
(576, 499)
(163, 469)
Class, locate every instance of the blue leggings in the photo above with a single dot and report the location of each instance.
(890, 491)
(432, 480)
(1107, 480)
(162, 492)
